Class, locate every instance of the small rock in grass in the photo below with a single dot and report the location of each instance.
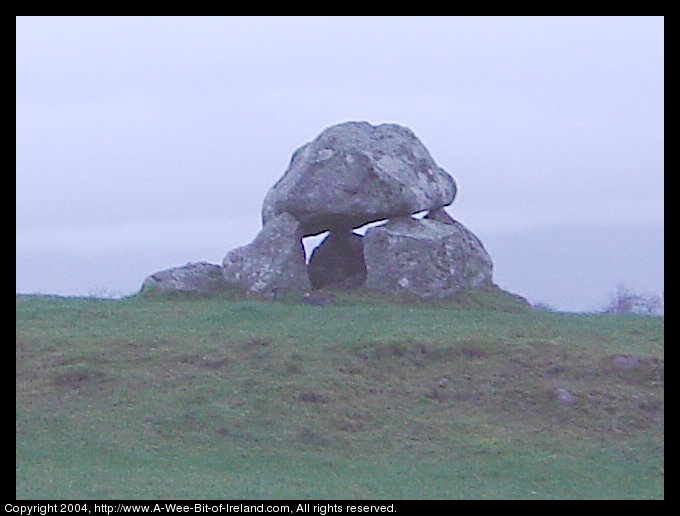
(565, 397)
(627, 362)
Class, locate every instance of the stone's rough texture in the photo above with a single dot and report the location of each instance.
(338, 262)
(272, 264)
(441, 215)
(425, 257)
(355, 173)
(198, 278)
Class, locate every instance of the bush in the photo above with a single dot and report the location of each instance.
(626, 301)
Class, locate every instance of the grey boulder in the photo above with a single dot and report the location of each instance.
(197, 278)
(272, 264)
(564, 397)
(355, 173)
(426, 257)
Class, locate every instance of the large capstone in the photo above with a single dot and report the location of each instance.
(272, 264)
(427, 257)
(355, 173)
(338, 262)
(195, 278)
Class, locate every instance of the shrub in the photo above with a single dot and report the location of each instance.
(626, 301)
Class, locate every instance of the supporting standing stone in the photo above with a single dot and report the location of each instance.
(428, 258)
(338, 262)
(272, 264)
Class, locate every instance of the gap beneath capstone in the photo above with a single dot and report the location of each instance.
(335, 258)
(311, 242)
(361, 230)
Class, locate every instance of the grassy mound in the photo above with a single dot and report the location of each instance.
(366, 397)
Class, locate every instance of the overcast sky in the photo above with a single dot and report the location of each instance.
(148, 142)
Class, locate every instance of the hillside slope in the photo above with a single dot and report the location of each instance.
(365, 397)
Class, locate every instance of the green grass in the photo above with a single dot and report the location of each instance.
(369, 397)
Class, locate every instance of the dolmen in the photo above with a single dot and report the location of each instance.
(354, 175)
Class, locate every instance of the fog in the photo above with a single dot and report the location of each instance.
(149, 142)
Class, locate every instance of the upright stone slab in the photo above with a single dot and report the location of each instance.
(338, 262)
(426, 257)
(273, 264)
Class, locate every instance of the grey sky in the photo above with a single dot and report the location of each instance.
(147, 142)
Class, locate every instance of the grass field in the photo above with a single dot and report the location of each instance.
(365, 398)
